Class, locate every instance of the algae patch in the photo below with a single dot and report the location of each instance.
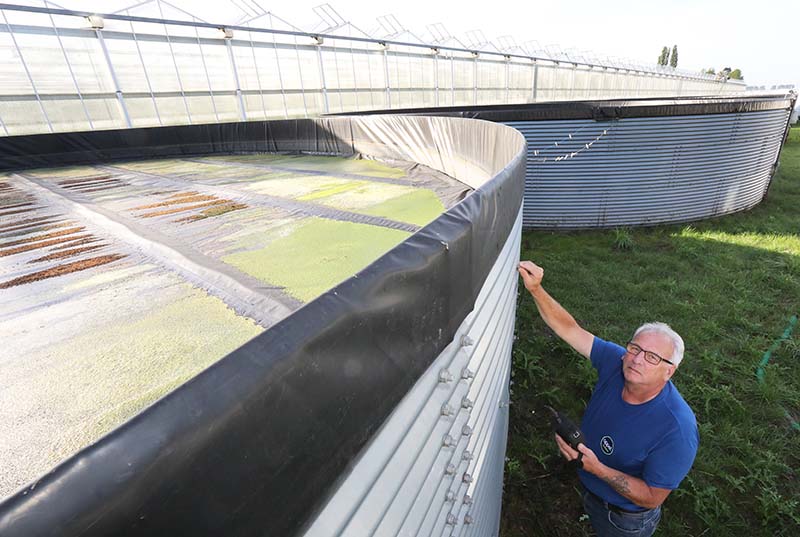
(323, 163)
(318, 255)
(304, 187)
(418, 207)
(332, 189)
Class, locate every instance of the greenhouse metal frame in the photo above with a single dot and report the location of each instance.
(69, 70)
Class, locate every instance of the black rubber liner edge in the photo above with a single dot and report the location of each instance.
(604, 109)
(255, 444)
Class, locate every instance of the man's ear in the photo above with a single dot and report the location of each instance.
(670, 372)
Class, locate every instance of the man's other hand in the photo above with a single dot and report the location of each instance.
(531, 273)
(590, 461)
(566, 451)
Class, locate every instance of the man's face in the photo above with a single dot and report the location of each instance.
(639, 371)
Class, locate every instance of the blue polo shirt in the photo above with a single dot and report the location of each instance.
(655, 441)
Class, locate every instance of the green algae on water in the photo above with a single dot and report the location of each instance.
(318, 255)
(332, 188)
(305, 187)
(323, 163)
(419, 207)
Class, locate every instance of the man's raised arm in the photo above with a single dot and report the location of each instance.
(556, 317)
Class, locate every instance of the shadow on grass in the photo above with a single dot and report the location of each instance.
(729, 287)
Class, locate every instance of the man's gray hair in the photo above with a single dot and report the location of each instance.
(666, 330)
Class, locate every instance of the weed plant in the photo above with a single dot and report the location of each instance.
(729, 286)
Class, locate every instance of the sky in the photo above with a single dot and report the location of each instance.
(760, 38)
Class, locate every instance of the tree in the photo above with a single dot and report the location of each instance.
(736, 74)
(673, 60)
(711, 71)
(664, 58)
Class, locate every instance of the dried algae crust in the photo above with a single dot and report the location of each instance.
(96, 380)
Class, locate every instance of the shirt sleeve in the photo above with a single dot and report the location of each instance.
(667, 465)
(605, 357)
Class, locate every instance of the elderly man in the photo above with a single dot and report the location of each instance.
(641, 436)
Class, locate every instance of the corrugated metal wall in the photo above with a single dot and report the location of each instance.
(436, 466)
(648, 170)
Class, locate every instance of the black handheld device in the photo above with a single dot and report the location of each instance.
(566, 429)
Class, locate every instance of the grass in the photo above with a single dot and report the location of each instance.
(729, 286)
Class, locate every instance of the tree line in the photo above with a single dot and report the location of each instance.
(667, 58)
(725, 72)
(670, 58)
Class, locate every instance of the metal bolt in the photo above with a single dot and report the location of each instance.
(467, 403)
(445, 376)
(467, 456)
(467, 341)
(447, 410)
(451, 519)
(450, 496)
(448, 441)
(467, 478)
(450, 470)
(467, 519)
(467, 374)
(467, 499)
(466, 430)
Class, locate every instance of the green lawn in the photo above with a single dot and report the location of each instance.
(730, 287)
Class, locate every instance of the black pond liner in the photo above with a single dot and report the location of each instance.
(605, 109)
(255, 444)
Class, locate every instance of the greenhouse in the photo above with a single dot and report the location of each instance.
(260, 280)
(151, 63)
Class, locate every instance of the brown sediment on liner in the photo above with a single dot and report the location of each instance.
(189, 199)
(79, 242)
(93, 183)
(61, 270)
(83, 180)
(160, 193)
(37, 245)
(36, 225)
(66, 253)
(20, 211)
(65, 223)
(182, 209)
(87, 184)
(53, 235)
(214, 211)
(36, 228)
(15, 205)
(28, 222)
(184, 194)
(98, 189)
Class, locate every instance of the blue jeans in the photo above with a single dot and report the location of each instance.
(608, 523)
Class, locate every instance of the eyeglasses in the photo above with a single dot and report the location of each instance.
(650, 356)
